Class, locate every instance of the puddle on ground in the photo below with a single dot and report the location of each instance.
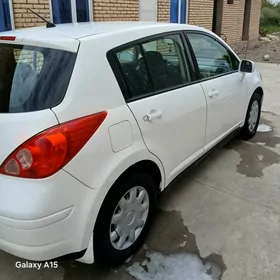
(178, 266)
(264, 128)
(265, 135)
(171, 253)
(254, 158)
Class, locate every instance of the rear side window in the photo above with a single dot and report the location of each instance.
(135, 71)
(33, 78)
(166, 61)
(156, 65)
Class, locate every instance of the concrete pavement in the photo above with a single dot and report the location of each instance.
(226, 211)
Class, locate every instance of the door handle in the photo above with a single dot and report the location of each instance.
(154, 114)
(213, 93)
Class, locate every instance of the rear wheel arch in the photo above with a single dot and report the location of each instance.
(148, 167)
(146, 174)
(144, 166)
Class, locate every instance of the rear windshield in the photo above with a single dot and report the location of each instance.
(33, 78)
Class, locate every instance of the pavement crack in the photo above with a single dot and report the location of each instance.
(236, 196)
(200, 210)
(271, 113)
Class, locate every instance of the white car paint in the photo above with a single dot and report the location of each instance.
(46, 218)
(173, 128)
(226, 100)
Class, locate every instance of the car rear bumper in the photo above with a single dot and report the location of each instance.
(44, 219)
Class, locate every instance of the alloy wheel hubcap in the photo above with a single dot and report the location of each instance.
(254, 115)
(129, 218)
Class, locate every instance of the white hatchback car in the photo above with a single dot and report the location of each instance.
(98, 118)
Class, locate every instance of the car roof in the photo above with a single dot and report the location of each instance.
(80, 30)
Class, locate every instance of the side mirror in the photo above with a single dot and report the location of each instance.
(246, 66)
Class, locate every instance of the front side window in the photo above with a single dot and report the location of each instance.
(166, 62)
(5, 18)
(213, 58)
(62, 11)
(33, 78)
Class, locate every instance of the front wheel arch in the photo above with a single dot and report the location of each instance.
(246, 133)
(259, 90)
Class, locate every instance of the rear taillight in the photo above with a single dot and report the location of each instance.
(46, 153)
(7, 38)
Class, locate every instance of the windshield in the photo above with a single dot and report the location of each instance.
(33, 78)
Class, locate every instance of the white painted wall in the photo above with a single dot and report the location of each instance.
(148, 10)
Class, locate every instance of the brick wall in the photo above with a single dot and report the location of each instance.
(233, 20)
(24, 18)
(164, 10)
(116, 10)
(201, 13)
(255, 19)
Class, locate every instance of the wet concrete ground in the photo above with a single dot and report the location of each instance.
(226, 211)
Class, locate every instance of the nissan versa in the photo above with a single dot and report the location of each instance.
(98, 118)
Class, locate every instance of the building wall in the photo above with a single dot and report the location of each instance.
(116, 10)
(201, 13)
(233, 20)
(255, 19)
(24, 18)
(163, 10)
(147, 10)
(233, 15)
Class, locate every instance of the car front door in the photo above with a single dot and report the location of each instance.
(224, 86)
(168, 106)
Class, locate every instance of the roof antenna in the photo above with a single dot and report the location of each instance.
(48, 23)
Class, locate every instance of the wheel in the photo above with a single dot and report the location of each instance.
(124, 219)
(252, 118)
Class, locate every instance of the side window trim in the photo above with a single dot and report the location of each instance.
(188, 53)
(117, 69)
(142, 51)
(186, 33)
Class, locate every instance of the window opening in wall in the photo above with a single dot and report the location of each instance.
(5, 18)
(67, 11)
(178, 11)
(62, 11)
(82, 10)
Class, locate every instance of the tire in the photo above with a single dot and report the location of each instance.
(249, 130)
(105, 250)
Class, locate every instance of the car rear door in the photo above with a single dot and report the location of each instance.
(169, 106)
(224, 86)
